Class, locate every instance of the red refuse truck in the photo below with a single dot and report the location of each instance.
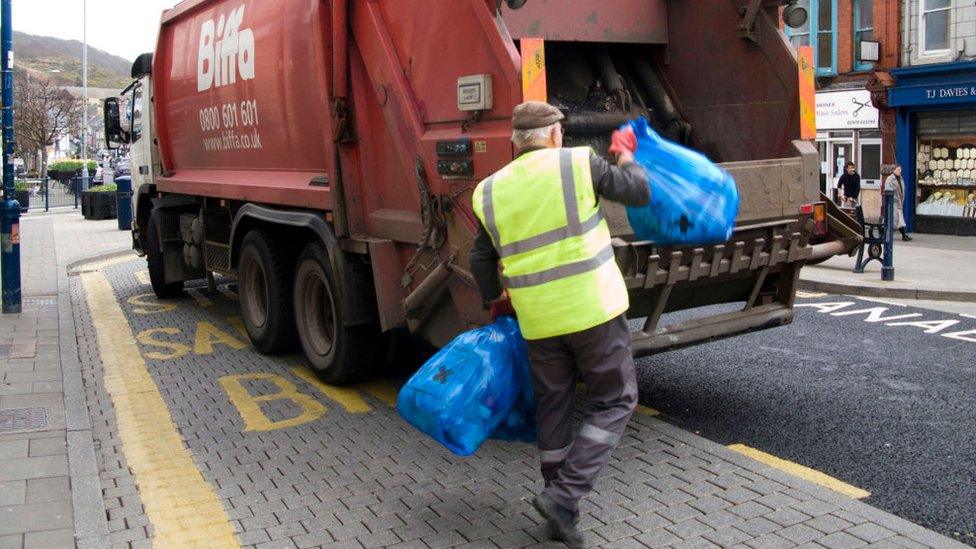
(324, 153)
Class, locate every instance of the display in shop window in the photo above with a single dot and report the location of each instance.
(947, 177)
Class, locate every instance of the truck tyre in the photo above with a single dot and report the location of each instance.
(157, 263)
(264, 286)
(338, 353)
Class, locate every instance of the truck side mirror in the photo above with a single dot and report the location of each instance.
(114, 134)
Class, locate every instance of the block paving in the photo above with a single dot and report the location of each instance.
(351, 476)
(370, 480)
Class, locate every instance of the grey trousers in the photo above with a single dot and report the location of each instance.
(602, 357)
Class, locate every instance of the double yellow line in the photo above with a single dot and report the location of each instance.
(183, 508)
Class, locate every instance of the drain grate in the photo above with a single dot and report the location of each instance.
(23, 419)
(40, 301)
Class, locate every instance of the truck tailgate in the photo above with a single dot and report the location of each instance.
(758, 267)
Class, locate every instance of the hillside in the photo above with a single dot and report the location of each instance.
(44, 54)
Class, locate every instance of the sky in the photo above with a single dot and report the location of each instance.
(125, 28)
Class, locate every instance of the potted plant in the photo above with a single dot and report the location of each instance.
(64, 170)
(22, 194)
(99, 202)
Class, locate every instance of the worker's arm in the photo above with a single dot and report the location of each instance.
(484, 266)
(626, 183)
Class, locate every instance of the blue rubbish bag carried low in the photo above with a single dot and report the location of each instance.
(693, 201)
(475, 388)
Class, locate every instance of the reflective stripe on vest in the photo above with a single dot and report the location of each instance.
(572, 229)
(562, 271)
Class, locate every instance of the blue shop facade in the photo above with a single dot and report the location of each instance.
(936, 145)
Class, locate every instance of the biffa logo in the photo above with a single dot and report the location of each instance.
(226, 51)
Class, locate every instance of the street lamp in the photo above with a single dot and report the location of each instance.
(84, 85)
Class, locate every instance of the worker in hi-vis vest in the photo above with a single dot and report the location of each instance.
(542, 221)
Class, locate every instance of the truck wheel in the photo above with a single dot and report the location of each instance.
(264, 286)
(338, 353)
(156, 262)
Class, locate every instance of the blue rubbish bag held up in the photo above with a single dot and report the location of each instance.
(476, 387)
(694, 202)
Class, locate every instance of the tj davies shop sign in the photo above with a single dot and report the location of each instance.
(944, 94)
(953, 92)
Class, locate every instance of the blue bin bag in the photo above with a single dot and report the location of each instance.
(519, 424)
(469, 388)
(694, 202)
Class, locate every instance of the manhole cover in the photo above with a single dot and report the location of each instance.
(23, 419)
(40, 302)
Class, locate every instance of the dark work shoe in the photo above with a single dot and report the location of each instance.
(562, 521)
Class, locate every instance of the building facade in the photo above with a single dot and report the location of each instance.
(934, 96)
(853, 41)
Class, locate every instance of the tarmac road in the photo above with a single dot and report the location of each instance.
(885, 404)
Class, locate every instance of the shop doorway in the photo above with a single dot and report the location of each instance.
(841, 152)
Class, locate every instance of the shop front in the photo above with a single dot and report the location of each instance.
(848, 130)
(936, 113)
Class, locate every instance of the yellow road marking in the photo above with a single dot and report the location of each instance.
(142, 277)
(809, 295)
(644, 410)
(182, 507)
(176, 349)
(382, 390)
(198, 296)
(349, 399)
(249, 406)
(801, 471)
(207, 335)
(148, 304)
(238, 324)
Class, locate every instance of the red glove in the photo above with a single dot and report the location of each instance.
(501, 307)
(623, 141)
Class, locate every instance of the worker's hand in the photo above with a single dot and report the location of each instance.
(623, 143)
(625, 157)
(501, 307)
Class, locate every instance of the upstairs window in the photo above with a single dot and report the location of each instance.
(819, 32)
(934, 28)
(863, 31)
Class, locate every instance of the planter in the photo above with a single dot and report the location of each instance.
(98, 205)
(24, 198)
(63, 176)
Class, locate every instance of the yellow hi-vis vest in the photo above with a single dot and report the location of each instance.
(557, 260)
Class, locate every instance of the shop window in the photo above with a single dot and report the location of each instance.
(820, 31)
(863, 30)
(871, 161)
(946, 151)
(934, 28)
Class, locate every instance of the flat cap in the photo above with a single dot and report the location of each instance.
(535, 114)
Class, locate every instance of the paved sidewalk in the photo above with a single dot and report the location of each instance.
(40, 471)
(933, 267)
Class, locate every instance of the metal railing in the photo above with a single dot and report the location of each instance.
(48, 193)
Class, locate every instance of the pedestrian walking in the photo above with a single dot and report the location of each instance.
(895, 182)
(542, 221)
(849, 185)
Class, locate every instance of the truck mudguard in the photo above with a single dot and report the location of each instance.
(354, 284)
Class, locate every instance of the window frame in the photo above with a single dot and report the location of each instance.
(861, 66)
(813, 22)
(922, 52)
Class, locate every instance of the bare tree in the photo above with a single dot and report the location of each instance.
(43, 113)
